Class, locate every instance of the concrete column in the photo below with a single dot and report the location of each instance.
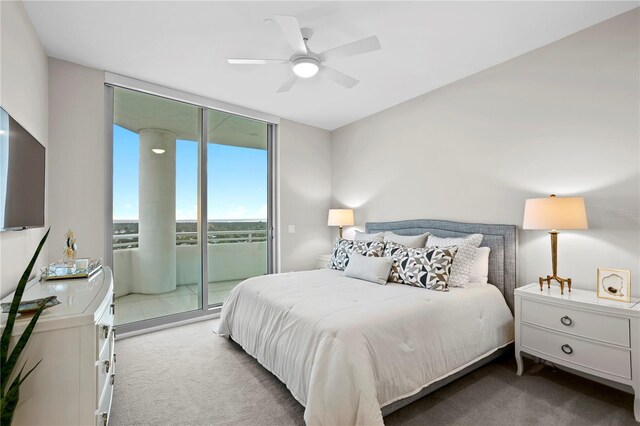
(157, 213)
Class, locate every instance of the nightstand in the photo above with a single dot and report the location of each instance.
(579, 331)
(323, 261)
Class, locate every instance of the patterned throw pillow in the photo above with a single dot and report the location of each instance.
(420, 267)
(342, 250)
(465, 257)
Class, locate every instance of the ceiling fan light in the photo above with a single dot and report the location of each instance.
(305, 67)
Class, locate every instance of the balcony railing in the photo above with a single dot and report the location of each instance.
(123, 241)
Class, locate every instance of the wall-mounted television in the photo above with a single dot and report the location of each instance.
(22, 176)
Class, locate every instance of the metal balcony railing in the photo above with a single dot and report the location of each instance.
(124, 241)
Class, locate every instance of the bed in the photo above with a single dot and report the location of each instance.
(351, 351)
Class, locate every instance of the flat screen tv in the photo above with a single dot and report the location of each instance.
(22, 177)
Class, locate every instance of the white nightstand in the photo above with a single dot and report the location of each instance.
(580, 331)
(323, 261)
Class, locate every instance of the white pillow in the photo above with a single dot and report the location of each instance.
(363, 236)
(368, 268)
(480, 269)
(411, 241)
(463, 262)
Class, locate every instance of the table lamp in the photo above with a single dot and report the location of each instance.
(340, 218)
(555, 213)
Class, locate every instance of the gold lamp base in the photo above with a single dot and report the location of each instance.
(560, 280)
(554, 264)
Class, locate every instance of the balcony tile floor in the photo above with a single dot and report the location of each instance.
(136, 307)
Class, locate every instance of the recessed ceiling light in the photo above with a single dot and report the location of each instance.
(157, 150)
(305, 67)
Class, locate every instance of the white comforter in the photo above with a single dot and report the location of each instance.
(346, 347)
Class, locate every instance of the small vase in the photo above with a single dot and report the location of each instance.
(69, 257)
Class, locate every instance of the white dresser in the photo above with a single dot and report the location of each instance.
(75, 340)
(578, 330)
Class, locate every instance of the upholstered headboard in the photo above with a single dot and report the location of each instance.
(502, 239)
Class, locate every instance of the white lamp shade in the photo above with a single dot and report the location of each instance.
(340, 217)
(555, 213)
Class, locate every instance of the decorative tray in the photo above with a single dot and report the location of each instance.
(29, 307)
(83, 268)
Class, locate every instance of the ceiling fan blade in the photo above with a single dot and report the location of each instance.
(287, 84)
(365, 45)
(340, 78)
(247, 61)
(292, 34)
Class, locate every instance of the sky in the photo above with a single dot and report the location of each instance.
(236, 180)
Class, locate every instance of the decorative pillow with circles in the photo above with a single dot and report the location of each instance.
(465, 257)
(342, 250)
(427, 267)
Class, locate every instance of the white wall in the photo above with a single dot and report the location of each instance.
(77, 165)
(304, 192)
(562, 119)
(23, 93)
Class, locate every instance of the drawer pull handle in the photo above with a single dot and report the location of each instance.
(106, 366)
(567, 349)
(565, 320)
(105, 330)
(114, 357)
(113, 378)
(113, 330)
(105, 417)
(113, 309)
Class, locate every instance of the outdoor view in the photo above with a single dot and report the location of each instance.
(156, 244)
(237, 192)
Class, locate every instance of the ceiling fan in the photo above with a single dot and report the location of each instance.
(306, 63)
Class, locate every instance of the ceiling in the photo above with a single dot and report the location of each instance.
(425, 45)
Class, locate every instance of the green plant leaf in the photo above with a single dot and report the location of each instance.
(5, 368)
(13, 311)
(8, 366)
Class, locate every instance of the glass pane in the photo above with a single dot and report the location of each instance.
(156, 245)
(236, 201)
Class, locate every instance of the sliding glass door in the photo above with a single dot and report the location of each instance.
(237, 201)
(169, 157)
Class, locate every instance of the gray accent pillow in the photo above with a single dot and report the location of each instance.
(465, 256)
(342, 250)
(368, 268)
(363, 236)
(427, 267)
(413, 241)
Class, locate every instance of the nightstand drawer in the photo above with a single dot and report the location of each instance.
(591, 325)
(592, 355)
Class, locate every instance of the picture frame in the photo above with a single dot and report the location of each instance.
(614, 284)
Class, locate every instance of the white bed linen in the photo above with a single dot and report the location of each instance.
(346, 347)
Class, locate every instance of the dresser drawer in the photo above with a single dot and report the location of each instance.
(104, 403)
(105, 367)
(105, 328)
(591, 325)
(593, 355)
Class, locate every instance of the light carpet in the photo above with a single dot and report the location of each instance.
(189, 376)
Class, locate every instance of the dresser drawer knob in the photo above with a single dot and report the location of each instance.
(567, 349)
(565, 320)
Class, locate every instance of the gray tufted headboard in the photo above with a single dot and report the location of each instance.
(502, 239)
